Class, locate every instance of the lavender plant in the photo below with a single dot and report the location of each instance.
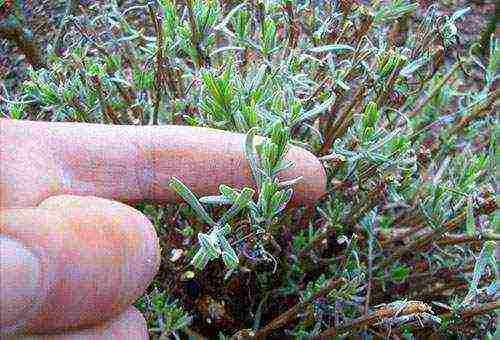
(401, 112)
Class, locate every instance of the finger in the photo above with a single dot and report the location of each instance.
(131, 163)
(129, 325)
(72, 262)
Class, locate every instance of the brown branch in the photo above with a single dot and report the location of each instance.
(414, 307)
(336, 130)
(12, 29)
(292, 312)
(349, 222)
(478, 109)
(92, 37)
(390, 84)
(434, 92)
(159, 61)
(486, 208)
(71, 7)
(195, 35)
(389, 311)
(475, 311)
(449, 240)
(106, 108)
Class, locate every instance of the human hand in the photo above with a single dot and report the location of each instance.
(73, 256)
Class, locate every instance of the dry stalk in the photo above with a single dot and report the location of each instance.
(386, 312)
(292, 313)
(486, 208)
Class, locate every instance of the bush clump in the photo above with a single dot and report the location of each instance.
(398, 108)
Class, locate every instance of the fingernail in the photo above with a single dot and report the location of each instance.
(20, 275)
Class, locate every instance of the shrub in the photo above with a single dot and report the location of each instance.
(400, 113)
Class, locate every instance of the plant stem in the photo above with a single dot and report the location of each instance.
(71, 6)
(486, 208)
(159, 62)
(12, 29)
(478, 310)
(458, 239)
(336, 130)
(435, 91)
(292, 312)
(411, 307)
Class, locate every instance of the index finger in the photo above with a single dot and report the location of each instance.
(134, 163)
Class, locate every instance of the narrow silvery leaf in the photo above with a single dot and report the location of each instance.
(290, 183)
(282, 165)
(492, 288)
(230, 260)
(191, 199)
(315, 111)
(265, 195)
(241, 202)
(250, 155)
(217, 199)
(470, 225)
(228, 254)
(282, 202)
(485, 257)
(200, 259)
(209, 246)
(315, 132)
(226, 48)
(228, 192)
(221, 231)
(483, 260)
(413, 66)
(240, 121)
(275, 201)
(224, 244)
(258, 77)
(332, 48)
(228, 17)
(232, 195)
(459, 13)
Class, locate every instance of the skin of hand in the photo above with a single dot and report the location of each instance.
(73, 255)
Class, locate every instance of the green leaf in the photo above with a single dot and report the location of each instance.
(229, 256)
(250, 155)
(400, 273)
(413, 66)
(200, 259)
(290, 183)
(258, 313)
(216, 200)
(228, 192)
(470, 220)
(459, 14)
(232, 195)
(267, 191)
(315, 111)
(332, 48)
(486, 257)
(226, 48)
(279, 201)
(228, 17)
(282, 165)
(230, 259)
(209, 245)
(240, 203)
(191, 199)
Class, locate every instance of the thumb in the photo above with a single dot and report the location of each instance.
(129, 325)
(72, 262)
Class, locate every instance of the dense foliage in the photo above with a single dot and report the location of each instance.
(401, 114)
